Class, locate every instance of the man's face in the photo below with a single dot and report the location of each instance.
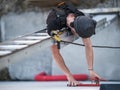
(71, 15)
(70, 18)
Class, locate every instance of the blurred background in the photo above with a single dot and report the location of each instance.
(22, 17)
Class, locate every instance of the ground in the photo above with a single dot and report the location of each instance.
(33, 85)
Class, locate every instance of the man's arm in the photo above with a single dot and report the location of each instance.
(90, 57)
(60, 62)
(89, 52)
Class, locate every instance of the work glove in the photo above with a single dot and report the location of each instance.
(56, 36)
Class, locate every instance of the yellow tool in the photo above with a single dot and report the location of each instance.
(56, 35)
(57, 38)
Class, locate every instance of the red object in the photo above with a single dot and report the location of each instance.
(42, 74)
(59, 77)
(92, 85)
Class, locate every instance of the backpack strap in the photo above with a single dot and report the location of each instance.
(70, 8)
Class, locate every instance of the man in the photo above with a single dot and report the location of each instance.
(84, 27)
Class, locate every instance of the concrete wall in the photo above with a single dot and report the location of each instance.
(106, 61)
(26, 63)
(14, 24)
(31, 61)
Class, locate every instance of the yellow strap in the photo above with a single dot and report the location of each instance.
(61, 3)
(60, 33)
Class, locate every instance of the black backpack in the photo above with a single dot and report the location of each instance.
(56, 20)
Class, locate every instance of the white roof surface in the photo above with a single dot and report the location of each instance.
(32, 85)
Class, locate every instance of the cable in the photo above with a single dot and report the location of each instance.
(92, 46)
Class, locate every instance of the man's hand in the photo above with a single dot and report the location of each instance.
(72, 81)
(94, 75)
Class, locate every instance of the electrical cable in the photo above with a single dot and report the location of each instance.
(92, 46)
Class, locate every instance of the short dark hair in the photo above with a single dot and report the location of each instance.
(84, 26)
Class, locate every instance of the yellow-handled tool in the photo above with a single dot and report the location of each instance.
(57, 38)
(55, 35)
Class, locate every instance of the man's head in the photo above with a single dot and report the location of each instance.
(84, 26)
